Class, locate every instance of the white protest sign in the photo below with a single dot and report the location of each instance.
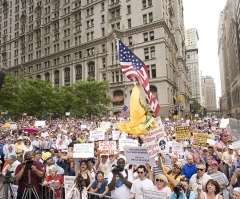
(96, 135)
(13, 126)
(213, 128)
(107, 125)
(236, 144)
(219, 177)
(14, 188)
(163, 145)
(211, 142)
(151, 141)
(177, 147)
(40, 123)
(83, 126)
(224, 123)
(68, 183)
(185, 124)
(83, 150)
(167, 120)
(127, 142)
(118, 135)
(107, 147)
(138, 155)
(148, 194)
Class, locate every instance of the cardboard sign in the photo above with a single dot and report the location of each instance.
(177, 147)
(219, 177)
(83, 150)
(40, 123)
(200, 139)
(182, 132)
(151, 141)
(224, 123)
(138, 156)
(163, 144)
(127, 142)
(118, 135)
(148, 194)
(96, 135)
(107, 125)
(68, 183)
(107, 147)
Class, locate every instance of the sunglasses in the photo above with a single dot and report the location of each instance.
(140, 172)
(176, 166)
(200, 169)
(159, 180)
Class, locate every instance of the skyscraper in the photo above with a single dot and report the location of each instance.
(209, 90)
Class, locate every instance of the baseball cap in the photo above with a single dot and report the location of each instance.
(179, 164)
(230, 146)
(213, 162)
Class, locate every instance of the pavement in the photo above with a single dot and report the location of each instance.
(235, 129)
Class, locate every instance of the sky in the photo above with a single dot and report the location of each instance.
(204, 16)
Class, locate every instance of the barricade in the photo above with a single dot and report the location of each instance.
(95, 196)
(51, 193)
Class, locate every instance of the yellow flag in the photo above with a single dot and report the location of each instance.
(141, 120)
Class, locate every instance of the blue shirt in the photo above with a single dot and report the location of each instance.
(182, 196)
(188, 170)
(235, 164)
(1, 149)
(214, 157)
(102, 189)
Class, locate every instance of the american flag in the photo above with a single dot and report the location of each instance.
(124, 111)
(133, 67)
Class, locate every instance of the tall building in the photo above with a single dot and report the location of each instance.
(69, 40)
(209, 91)
(229, 59)
(194, 83)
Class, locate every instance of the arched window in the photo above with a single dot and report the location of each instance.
(56, 78)
(78, 72)
(67, 76)
(91, 69)
(118, 98)
(47, 77)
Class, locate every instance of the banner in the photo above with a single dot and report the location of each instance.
(138, 155)
(220, 178)
(68, 183)
(96, 135)
(107, 147)
(127, 142)
(177, 147)
(83, 150)
(147, 194)
(182, 132)
(200, 139)
(118, 135)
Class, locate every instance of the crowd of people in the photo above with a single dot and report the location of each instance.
(188, 174)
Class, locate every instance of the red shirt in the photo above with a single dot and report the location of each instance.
(60, 179)
(24, 180)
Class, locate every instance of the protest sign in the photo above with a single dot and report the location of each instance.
(236, 144)
(213, 128)
(182, 132)
(96, 135)
(148, 194)
(138, 155)
(163, 144)
(107, 147)
(118, 135)
(83, 126)
(151, 140)
(13, 126)
(224, 123)
(127, 142)
(68, 183)
(211, 142)
(107, 125)
(40, 123)
(177, 147)
(200, 139)
(83, 150)
(220, 178)
(185, 124)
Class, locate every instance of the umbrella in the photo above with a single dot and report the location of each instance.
(6, 125)
(31, 130)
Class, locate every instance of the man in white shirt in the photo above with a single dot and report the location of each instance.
(140, 184)
(12, 165)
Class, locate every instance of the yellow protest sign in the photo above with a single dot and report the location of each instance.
(200, 139)
(182, 132)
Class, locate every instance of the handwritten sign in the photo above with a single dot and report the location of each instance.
(151, 141)
(107, 147)
(96, 135)
(127, 142)
(138, 156)
(68, 183)
(220, 178)
(200, 139)
(148, 194)
(118, 135)
(83, 150)
(182, 132)
(176, 147)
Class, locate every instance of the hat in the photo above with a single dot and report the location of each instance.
(64, 150)
(37, 136)
(189, 146)
(205, 149)
(19, 139)
(230, 146)
(46, 155)
(213, 162)
(179, 164)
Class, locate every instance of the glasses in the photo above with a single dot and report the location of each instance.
(176, 166)
(140, 172)
(200, 169)
(159, 180)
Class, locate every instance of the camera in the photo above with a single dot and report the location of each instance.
(8, 174)
(28, 162)
(178, 188)
(116, 170)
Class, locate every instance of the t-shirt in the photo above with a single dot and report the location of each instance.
(166, 190)
(121, 191)
(139, 185)
(171, 175)
(56, 178)
(103, 185)
(189, 170)
(24, 180)
(105, 168)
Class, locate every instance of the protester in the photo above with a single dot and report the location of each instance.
(161, 184)
(189, 168)
(235, 180)
(212, 190)
(226, 160)
(236, 193)
(11, 166)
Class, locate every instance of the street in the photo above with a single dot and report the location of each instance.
(235, 129)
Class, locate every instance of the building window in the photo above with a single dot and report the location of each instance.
(91, 69)
(146, 53)
(78, 73)
(129, 9)
(67, 76)
(47, 77)
(56, 78)
(90, 51)
(144, 19)
(103, 62)
(145, 36)
(150, 16)
(151, 35)
(67, 58)
(129, 23)
(103, 19)
(152, 51)
(103, 32)
(130, 40)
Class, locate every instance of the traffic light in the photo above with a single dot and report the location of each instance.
(180, 98)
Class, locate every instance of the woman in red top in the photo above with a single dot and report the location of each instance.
(54, 180)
